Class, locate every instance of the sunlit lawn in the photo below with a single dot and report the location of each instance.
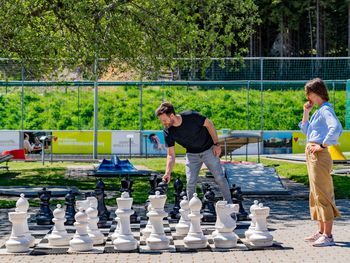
(36, 174)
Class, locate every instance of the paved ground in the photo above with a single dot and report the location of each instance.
(289, 223)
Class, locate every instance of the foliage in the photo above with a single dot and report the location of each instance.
(119, 107)
(145, 35)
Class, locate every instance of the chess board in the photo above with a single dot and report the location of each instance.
(42, 247)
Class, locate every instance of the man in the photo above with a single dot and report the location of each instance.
(197, 134)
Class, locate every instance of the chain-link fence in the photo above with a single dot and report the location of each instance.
(247, 96)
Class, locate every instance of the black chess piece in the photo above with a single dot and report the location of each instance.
(178, 186)
(237, 198)
(70, 209)
(45, 215)
(154, 180)
(162, 188)
(208, 207)
(126, 186)
(103, 213)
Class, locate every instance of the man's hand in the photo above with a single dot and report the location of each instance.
(217, 150)
(166, 178)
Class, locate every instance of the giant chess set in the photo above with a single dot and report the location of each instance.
(86, 226)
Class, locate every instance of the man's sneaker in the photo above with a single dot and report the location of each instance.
(324, 241)
(313, 237)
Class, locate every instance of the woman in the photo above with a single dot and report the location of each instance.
(322, 130)
(26, 144)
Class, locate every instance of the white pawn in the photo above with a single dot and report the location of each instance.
(184, 223)
(92, 213)
(146, 232)
(223, 236)
(251, 228)
(261, 236)
(125, 240)
(117, 228)
(59, 235)
(22, 205)
(157, 238)
(81, 240)
(195, 237)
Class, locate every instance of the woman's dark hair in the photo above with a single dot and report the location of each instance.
(318, 87)
(165, 108)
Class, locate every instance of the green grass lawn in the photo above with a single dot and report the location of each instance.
(36, 174)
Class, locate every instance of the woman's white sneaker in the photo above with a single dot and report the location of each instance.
(324, 241)
(313, 237)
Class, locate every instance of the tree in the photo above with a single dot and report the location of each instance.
(144, 34)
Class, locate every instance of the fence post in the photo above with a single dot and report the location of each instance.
(79, 127)
(261, 93)
(22, 98)
(248, 101)
(95, 150)
(141, 117)
(333, 84)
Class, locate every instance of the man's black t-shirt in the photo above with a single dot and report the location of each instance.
(191, 134)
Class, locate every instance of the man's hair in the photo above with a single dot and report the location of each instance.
(165, 108)
(318, 87)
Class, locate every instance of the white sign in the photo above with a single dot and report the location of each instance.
(9, 140)
(124, 141)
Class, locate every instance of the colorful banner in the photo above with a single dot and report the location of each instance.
(124, 142)
(81, 142)
(153, 143)
(277, 142)
(9, 140)
(299, 142)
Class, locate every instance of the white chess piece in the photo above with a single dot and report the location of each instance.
(251, 228)
(125, 240)
(59, 235)
(184, 223)
(223, 236)
(261, 236)
(92, 229)
(146, 232)
(17, 242)
(22, 205)
(115, 234)
(195, 237)
(157, 239)
(81, 240)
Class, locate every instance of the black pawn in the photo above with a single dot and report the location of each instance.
(126, 186)
(103, 213)
(237, 198)
(178, 187)
(208, 207)
(162, 188)
(45, 215)
(70, 209)
(154, 180)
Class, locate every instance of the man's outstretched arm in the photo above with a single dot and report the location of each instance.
(170, 161)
